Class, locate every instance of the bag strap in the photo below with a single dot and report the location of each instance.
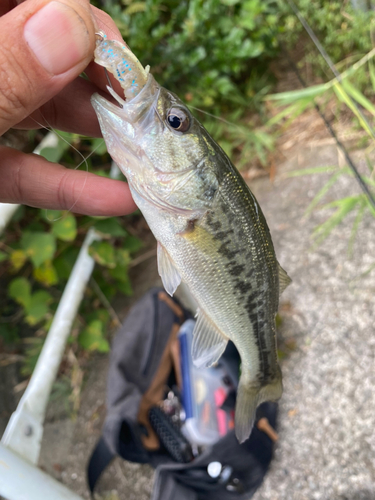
(100, 459)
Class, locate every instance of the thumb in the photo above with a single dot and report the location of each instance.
(44, 46)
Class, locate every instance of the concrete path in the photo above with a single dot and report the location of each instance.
(327, 421)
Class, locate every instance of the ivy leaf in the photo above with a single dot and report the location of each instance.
(64, 262)
(110, 227)
(18, 258)
(20, 290)
(123, 258)
(98, 146)
(46, 274)
(37, 308)
(125, 287)
(38, 246)
(132, 244)
(120, 272)
(50, 216)
(55, 152)
(92, 339)
(65, 228)
(103, 253)
(100, 314)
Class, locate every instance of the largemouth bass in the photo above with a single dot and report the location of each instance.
(210, 229)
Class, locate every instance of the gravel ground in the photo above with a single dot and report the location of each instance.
(327, 441)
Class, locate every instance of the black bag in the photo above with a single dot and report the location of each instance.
(144, 359)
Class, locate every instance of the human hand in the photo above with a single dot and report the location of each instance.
(45, 45)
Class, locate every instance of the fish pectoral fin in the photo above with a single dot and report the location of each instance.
(169, 275)
(284, 279)
(208, 342)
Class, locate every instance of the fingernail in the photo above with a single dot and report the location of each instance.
(58, 37)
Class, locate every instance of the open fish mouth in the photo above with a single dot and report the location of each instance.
(126, 121)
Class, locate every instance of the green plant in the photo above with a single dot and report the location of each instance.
(214, 55)
(345, 33)
(346, 91)
(358, 203)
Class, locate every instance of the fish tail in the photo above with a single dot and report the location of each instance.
(249, 397)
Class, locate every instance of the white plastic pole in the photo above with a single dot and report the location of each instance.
(25, 428)
(20, 480)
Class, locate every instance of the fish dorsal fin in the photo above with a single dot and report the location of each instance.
(169, 275)
(208, 342)
(284, 280)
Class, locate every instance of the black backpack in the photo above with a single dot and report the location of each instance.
(144, 361)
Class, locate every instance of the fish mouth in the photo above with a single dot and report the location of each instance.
(136, 111)
(123, 125)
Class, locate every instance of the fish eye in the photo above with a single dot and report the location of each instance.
(178, 119)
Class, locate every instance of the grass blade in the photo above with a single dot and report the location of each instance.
(311, 171)
(343, 96)
(345, 206)
(358, 219)
(327, 186)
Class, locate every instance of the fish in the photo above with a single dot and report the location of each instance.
(210, 230)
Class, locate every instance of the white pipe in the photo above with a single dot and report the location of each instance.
(20, 480)
(25, 428)
(7, 210)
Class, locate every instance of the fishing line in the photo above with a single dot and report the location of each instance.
(330, 63)
(214, 116)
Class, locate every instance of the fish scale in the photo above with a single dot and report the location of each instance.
(210, 229)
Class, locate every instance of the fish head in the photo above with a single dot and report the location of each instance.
(164, 152)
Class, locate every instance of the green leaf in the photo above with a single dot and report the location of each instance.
(51, 216)
(132, 244)
(357, 221)
(98, 146)
(55, 153)
(358, 96)
(37, 307)
(46, 274)
(103, 253)
(3, 256)
(345, 205)
(18, 258)
(311, 171)
(125, 287)
(293, 96)
(327, 186)
(344, 97)
(110, 227)
(65, 228)
(372, 73)
(92, 339)
(39, 247)
(20, 290)
(100, 314)
(135, 7)
(64, 262)
(123, 258)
